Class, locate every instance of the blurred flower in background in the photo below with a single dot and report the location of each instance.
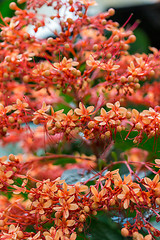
(144, 18)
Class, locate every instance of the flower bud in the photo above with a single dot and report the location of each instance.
(50, 40)
(111, 11)
(104, 22)
(132, 38)
(139, 126)
(2, 223)
(157, 201)
(82, 218)
(11, 119)
(12, 157)
(70, 20)
(13, 6)
(91, 124)
(148, 237)
(124, 232)
(20, 234)
(86, 209)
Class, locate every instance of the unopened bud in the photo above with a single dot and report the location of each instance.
(12, 157)
(139, 126)
(111, 11)
(2, 223)
(66, 45)
(8, 58)
(86, 209)
(43, 218)
(137, 86)
(152, 73)
(158, 201)
(148, 237)
(13, 6)
(91, 124)
(58, 125)
(50, 40)
(26, 78)
(80, 14)
(104, 22)
(116, 38)
(108, 134)
(80, 229)
(95, 47)
(11, 119)
(70, 2)
(82, 218)
(94, 212)
(123, 79)
(124, 232)
(128, 114)
(130, 79)
(132, 38)
(26, 35)
(20, 234)
(47, 73)
(5, 129)
(70, 20)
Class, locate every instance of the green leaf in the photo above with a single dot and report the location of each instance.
(103, 228)
(64, 161)
(151, 145)
(142, 42)
(5, 10)
(114, 156)
(101, 164)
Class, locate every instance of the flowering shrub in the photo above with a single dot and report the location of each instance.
(80, 88)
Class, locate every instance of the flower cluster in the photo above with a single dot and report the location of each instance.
(69, 102)
(67, 207)
(82, 122)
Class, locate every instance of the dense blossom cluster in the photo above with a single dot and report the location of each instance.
(75, 88)
(68, 206)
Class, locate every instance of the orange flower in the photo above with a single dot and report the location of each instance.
(5, 110)
(20, 106)
(110, 66)
(110, 176)
(117, 109)
(151, 114)
(153, 184)
(66, 191)
(44, 108)
(134, 71)
(58, 116)
(98, 196)
(80, 188)
(118, 182)
(12, 233)
(127, 195)
(66, 205)
(82, 111)
(5, 177)
(69, 119)
(104, 117)
(91, 62)
(65, 64)
(136, 155)
(129, 190)
(60, 233)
